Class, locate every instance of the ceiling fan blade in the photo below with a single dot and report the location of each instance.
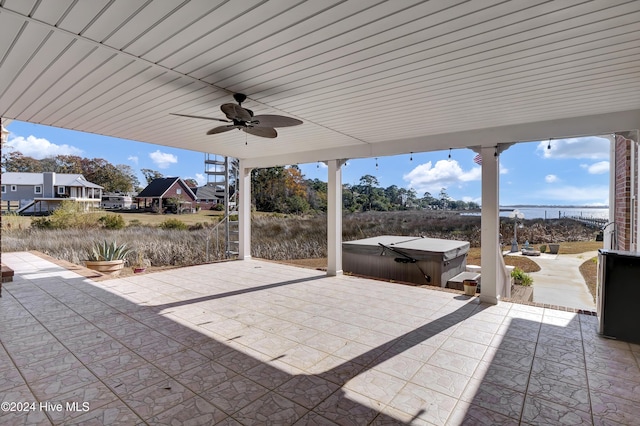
(198, 116)
(268, 120)
(221, 129)
(235, 112)
(265, 132)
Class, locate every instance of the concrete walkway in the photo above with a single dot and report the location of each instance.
(559, 281)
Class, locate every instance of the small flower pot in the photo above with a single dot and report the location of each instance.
(470, 287)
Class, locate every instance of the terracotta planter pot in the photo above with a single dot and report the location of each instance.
(470, 287)
(107, 267)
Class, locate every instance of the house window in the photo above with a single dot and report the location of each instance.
(14, 188)
(37, 189)
(4, 189)
(178, 191)
(61, 190)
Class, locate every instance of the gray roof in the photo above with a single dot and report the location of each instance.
(209, 192)
(61, 179)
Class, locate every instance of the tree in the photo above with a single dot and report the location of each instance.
(112, 178)
(15, 161)
(444, 198)
(317, 194)
(294, 182)
(368, 182)
(150, 175)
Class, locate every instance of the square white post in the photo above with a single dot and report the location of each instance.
(490, 229)
(244, 212)
(334, 217)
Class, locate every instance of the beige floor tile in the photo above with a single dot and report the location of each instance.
(271, 342)
(270, 409)
(157, 398)
(194, 411)
(234, 394)
(538, 411)
(111, 414)
(136, 379)
(424, 404)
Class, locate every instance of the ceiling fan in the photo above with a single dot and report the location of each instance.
(243, 119)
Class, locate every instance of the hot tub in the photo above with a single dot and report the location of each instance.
(416, 260)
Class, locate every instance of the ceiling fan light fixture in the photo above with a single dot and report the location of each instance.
(244, 119)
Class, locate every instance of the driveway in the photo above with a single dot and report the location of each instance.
(559, 281)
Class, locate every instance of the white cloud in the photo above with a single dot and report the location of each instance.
(599, 168)
(575, 195)
(593, 148)
(201, 179)
(551, 178)
(445, 174)
(40, 148)
(163, 159)
(133, 159)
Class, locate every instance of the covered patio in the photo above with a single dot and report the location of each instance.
(367, 79)
(276, 344)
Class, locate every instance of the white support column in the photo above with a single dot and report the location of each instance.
(244, 212)
(334, 217)
(490, 226)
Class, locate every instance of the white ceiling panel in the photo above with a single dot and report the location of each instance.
(365, 77)
(52, 12)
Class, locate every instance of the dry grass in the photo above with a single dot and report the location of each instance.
(276, 236)
(162, 247)
(589, 271)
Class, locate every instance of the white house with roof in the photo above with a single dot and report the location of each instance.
(43, 192)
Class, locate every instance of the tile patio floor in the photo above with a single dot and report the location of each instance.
(254, 342)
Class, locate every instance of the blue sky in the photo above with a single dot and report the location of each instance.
(572, 172)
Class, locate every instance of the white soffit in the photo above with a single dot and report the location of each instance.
(362, 75)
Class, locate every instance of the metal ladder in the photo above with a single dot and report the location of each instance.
(225, 174)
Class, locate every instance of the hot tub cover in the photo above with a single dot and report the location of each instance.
(416, 247)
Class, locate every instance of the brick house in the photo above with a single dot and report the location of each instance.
(167, 195)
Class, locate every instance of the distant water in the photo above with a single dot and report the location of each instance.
(555, 212)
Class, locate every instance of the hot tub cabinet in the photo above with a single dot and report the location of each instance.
(415, 260)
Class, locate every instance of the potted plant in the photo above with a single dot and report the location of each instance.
(141, 264)
(520, 277)
(554, 248)
(107, 258)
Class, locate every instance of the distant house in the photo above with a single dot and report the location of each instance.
(34, 193)
(170, 195)
(209, 195)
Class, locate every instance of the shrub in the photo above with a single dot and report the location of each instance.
(543, 248)
(112, 221)
(521, 277)
(217, 207)
(173, 224)
(70, 215)
(42, 223)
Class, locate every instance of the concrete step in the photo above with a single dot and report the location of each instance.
(456, 282)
